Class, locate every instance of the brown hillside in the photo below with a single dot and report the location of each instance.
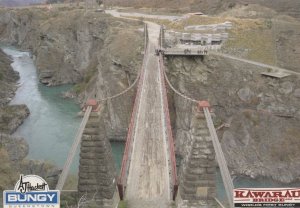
(287, 7)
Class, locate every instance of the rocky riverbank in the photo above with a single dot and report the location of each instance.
(13, 150)
(11, 117)
(13, 153)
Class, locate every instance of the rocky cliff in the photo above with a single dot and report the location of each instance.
(68, 44)
(83, 47)
(257, 117)
(8, 79)
(11, 117)
(13, 152)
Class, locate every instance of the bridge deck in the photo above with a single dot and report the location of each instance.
(148, 180)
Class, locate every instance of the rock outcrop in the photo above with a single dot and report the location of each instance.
(11, 117)
(16, 147)
(69, 45)
(258, 116)
(13, 151)
(8, 79)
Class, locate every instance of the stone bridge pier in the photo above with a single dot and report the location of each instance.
(198, 173)
(97, 172)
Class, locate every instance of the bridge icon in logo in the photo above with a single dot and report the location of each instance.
(31, 190)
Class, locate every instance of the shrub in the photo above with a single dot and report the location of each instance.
(122, 204)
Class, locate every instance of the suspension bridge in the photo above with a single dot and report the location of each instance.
(149, 175)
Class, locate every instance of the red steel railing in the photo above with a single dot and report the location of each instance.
(174, 181)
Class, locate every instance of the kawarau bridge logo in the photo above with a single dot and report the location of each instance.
(31, 191)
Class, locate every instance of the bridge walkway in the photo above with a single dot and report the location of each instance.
(148, 183)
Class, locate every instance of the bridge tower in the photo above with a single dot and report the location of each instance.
(198, 178)
(96, 184)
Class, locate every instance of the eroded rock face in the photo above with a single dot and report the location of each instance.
(11, 117)
(261, 114)
(68, 45)
(99, 53)
(261, 144)
(13, 151)
(297, 93)
(44, 169)
(16, 147)
(8, 78)
(245, 94)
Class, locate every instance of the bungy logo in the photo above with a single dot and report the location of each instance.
(266, 197)
(31, 191)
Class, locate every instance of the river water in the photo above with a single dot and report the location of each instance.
(53, 122)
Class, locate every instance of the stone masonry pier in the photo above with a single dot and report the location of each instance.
(197, 182)
(97, 184)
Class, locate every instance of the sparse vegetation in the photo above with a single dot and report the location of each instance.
(78, 88)
(122, 204)
(68, 199)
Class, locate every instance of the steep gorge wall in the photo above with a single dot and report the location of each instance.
(261, 114)
(66, 43)
(72, 45)
(8, 79)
